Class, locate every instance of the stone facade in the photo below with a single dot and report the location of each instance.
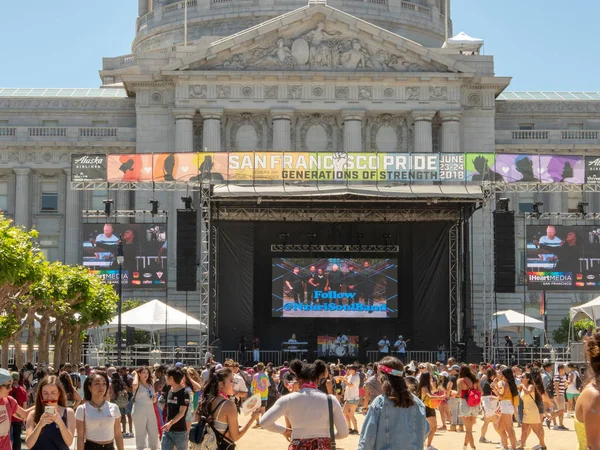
(316, 78)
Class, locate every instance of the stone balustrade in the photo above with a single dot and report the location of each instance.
(118, 62)
(179, 6)
(67, 134)
(547, 136)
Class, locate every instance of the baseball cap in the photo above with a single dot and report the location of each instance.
(455, 367)
(5, 376)
(179, 364)
(444, 374)
(400, 337)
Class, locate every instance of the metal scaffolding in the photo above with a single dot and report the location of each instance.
(454, 286)
(335, 248)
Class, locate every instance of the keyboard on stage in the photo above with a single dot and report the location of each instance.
(294, 343)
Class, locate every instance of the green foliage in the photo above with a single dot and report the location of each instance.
(561, 334)
(19, 261)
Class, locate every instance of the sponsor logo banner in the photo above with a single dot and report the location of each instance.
(88, 167)
(592, 170)
(340, 167)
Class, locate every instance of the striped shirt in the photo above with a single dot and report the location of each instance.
(562, 385)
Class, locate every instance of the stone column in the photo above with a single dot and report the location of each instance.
(450, 131)
(22, 203)
(282, 130)
(211, 131)
(423, 136)
(72, 222)
(184, 129)
(142, 7)
(353, 130)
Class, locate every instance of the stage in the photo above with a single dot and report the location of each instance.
(424, 240)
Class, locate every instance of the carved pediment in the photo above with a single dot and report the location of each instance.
(320, 38)
(320, 47)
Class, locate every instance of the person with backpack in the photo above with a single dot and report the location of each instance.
(118, 396)
(218, 412)
(573, 388)
(470, 399)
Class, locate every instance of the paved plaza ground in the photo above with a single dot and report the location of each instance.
(258, 439)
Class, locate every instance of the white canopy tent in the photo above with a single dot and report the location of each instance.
(590, 309)
(510, 320)
(464, 43)
(155, 316)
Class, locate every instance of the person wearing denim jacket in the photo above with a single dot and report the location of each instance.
(388, 425)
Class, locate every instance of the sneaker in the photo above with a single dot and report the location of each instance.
(562, 427)
(431, 447)
(483, 440)
(548, 423)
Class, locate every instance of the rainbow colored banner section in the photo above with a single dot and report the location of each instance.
(313, 167)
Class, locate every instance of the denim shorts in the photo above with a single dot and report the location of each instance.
(467, 411)
(352, 402)
(174, 439)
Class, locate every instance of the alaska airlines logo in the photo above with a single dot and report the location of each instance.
(86, 160)
(595, 163)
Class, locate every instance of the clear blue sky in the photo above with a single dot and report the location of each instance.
(545, 45)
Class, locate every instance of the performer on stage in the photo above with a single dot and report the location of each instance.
(320, 283)
(256, 349)
(400, 346)
(384, 347)
(293, 341)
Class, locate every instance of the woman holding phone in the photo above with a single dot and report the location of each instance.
(51, 425)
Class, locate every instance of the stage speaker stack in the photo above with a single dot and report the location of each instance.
(186, 249)
(504, 251)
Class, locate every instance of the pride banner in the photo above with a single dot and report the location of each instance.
(313, 167)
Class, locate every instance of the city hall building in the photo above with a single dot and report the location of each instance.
(246, 107)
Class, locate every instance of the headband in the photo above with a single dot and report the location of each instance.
(389, 371)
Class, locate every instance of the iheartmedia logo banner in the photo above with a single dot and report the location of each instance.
(88, 168)
(592, 170)
(550, 279)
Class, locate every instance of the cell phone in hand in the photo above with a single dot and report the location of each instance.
(49, 410)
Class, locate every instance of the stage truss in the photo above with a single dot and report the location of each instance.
(305, 248)
(318, 209)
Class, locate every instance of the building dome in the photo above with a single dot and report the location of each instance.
(160, 22)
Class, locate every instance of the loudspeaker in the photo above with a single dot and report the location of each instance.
(186, 249)
(504, 251)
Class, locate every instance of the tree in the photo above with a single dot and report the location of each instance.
(561, 334)
(19, 265)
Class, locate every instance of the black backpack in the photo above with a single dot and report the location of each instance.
(578, 382)
(550, 388)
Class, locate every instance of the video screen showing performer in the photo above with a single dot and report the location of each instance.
(335, 287)
(563, 257)
(144, 252)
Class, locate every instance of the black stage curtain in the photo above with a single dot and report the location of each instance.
(236, 283)
(245, 283)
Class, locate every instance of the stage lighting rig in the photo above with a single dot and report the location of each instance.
(502, 205)
(154, 210)
(535, 209)
(187, 201)
(581, 209)
(107, 206)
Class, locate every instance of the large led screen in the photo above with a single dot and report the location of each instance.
(563, 257)
(335, 287)
(144, 252)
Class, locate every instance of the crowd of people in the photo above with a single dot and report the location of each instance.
(310, 404)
